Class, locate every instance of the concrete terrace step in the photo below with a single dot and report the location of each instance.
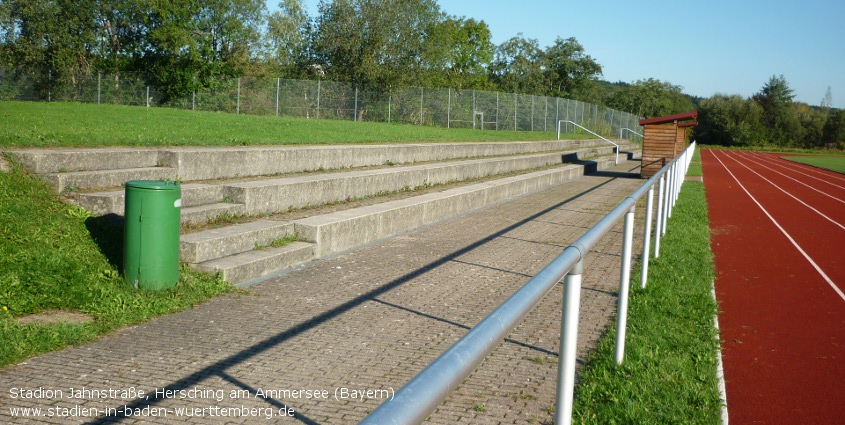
(106, 178)
(260, 262)
(216, 243)
(280, 194)
(347, 229)
(45, 161)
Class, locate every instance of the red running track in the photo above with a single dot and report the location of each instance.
(778, 239)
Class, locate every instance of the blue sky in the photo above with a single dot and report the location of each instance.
(706, 47)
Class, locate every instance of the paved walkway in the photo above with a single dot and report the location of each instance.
(326, 343)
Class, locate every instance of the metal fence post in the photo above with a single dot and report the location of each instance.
(624, 286)
(194, 100)
(99, 80)
(318, 99)
(568, 344)
(355, 113)
(449, 110)
(148, 97)
(389, 100)
(647, 236)
(238, 106)
(278, 84)
(658, 230)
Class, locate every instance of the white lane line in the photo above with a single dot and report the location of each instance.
(751, 159)
(795, 166)
(795, 244)
(720, 367)
(841, 226)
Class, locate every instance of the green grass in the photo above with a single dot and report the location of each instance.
(34, 124)
(56, 256)
(829, 162)
(669, 371)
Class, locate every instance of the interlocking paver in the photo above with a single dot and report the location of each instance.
(311, 342)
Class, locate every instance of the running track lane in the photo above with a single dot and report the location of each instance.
(782, 314)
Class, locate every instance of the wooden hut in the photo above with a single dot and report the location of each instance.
(664, 138)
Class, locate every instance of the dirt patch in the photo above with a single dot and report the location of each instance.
(51, 317)
(4, 165)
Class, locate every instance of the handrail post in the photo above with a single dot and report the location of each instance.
(647, 236)
(568, 344)
(658, 230)
(624, 286)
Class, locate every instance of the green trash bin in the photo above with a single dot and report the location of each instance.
(151, 233)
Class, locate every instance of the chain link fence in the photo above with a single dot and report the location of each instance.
(321, 99)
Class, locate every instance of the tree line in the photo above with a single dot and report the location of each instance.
(184, 46)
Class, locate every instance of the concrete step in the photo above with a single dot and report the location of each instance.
(76, 180)
(347, 229)
(113, 201)
(203, 213)
(260, 262)
(216, 243)
(281, 194)
(45, 161)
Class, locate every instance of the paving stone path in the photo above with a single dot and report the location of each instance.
(326, 343)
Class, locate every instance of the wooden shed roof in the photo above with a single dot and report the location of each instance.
(686, 116)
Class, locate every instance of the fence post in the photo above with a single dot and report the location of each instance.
(355, 113)
(318, 98)
(194, 100)
(515, 104)
(497, 110)
(99, 80)
(421, 106)
(647, 235)
(568, 344)
(624, 286)
(278, 84)
(449, 109)
(389, 101)
(148, 97)
(238, 106)
(658, 230)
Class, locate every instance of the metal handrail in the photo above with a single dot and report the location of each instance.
(591, 132)
(415, 401)
(632, 131)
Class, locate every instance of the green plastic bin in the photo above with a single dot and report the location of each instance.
(151, 233)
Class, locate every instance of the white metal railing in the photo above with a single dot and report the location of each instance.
(622, 130)
(588, 131)
(415, 401)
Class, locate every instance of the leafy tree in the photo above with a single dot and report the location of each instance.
(289, 35)
(570, 72)
(779, 116)
(193, 44)
(383, 43)
(518, 66)
(834, 129)
(730, 121)
(51, 38)
(651, 98)
(468, 52)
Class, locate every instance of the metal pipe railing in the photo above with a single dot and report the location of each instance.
(415, 401)
(591, 132)
(632, 131)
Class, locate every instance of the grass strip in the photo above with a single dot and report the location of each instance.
(34, 124)
(669, 371)
(55, 256)
(832, 163)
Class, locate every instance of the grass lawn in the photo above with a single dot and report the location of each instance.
(669, 371)
(829, 162)
(37, 124)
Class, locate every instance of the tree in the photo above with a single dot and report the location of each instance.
(570, 72)
(289, 35)
(779, 116)
(468, 52)
(382, 43)
(191, 45)
(730, 121)
(834, 129)
(651, 98)
(51, 38)
(518, 66)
